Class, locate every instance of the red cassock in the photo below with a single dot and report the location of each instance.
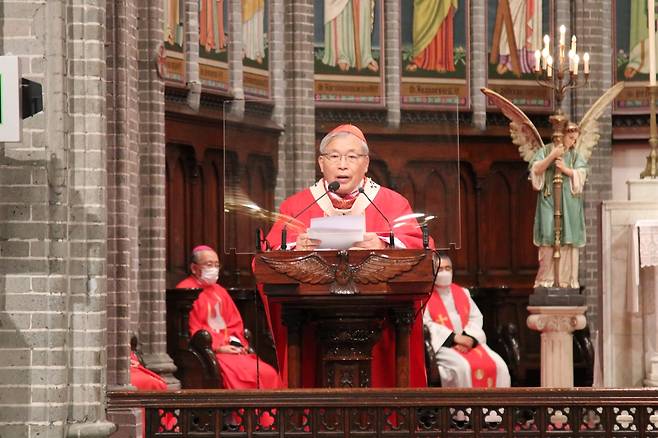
(215, 312)
(144, 379)
(393, 205)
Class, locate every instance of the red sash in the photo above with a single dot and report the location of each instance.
(483, 367)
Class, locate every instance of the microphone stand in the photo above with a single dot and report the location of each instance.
(332, 187)
(391, 236)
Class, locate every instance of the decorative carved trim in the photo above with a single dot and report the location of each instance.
(556, 319)
(313, 269)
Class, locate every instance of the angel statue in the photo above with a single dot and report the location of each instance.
(560, 166)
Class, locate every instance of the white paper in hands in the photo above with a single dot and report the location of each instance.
(337, 232)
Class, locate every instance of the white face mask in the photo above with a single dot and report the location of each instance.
(209, 275)
(443, 278)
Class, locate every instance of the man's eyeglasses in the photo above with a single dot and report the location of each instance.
(350, 158)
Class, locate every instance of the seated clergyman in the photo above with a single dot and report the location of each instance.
(215, 312)
(454, 323)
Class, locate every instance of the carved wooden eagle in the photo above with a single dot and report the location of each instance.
(313, 269)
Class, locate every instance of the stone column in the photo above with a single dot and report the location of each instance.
(299, 137)
(151, 180)
(235, 55)
(557, 324)
(479, 63)
(393, 68)
(191, 53)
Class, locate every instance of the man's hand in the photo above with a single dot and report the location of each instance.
(370, 241)
(230, 349)
(305, 243)
(463, 343)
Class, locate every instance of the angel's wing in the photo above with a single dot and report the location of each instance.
(589, 126)
(381, 268)
(310, 268)
(523, 131)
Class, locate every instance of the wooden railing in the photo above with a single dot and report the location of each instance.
(333, 413)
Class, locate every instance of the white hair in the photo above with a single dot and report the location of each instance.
(437, 256)
(329, 137)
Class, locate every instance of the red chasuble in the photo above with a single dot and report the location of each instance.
(393, 205)
(144, 379)
(483, 367)
(215, 312)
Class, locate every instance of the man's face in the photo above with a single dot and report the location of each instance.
(205, 259)
(351, 166)
(446, 265)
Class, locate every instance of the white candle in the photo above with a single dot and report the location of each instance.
(537, 60)
(563, 31)
(547, 41)
(576, 60)
(549, 68)
(652, 42)
(571, 60)
(573, 43)
(586, 63)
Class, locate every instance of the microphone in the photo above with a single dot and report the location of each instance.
(260, 240)
(391, 236)
(331, 187)
(426, 235)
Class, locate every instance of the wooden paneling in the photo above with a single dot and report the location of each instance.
(200, 172)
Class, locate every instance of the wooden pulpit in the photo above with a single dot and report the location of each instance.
(348, 295)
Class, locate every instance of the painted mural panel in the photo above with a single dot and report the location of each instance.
(213, 44)
(631, 63)
(174, 14)
(435, 53)
(349, 51)
(515, 29)
(255, 31)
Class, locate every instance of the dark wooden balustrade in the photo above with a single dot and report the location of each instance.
(433, 412)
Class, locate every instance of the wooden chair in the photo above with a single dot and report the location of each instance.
(192, 355)
(192, 352)
(505, 343)
(431, 364)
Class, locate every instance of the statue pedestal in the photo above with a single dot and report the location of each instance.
(556, 324)
(556, 296)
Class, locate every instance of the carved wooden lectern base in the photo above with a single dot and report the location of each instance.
(348, 296)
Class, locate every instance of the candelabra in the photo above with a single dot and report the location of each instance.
(559, 76)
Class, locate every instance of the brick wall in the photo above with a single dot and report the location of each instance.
(298, 166)
(53, 226)
(122, 166)
(479, 63)
(392, 59)
(149, 106)
(595, 35)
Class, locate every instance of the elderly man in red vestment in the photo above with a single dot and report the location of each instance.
(344, 159)
(215, 312)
